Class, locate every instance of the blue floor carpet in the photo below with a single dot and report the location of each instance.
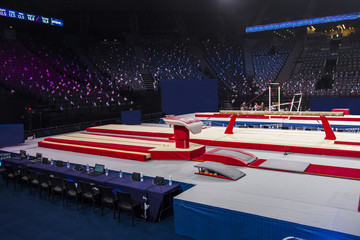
(25, 216)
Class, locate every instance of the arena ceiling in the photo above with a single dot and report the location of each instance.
(237, 14)
(276, 8)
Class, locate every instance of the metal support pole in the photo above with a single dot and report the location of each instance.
(279, 97)
(269, 97)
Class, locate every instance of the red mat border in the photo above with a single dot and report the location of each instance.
(103, 145)
(347, 143)
(127, 132)
(333, 171)
(99, 152)
(345, 119)
(318, 170)
(279, 148)
(131, 137)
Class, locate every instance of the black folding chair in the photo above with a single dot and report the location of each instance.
(107, 198)
(24, 176)
(11, 175)
(57, 187)
(34, 180)
(126, 204)
(2, 172)
(44, 184)
(89, 193)
(72, 191)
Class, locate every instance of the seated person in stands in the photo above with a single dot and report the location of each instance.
(243, 106)
(261, 107)
(274, 107)
(256, 106)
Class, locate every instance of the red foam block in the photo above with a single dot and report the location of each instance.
(137, 133)
(103, 145)
(347, 143)
(177, 155)
(94, 151)
(131, 137)
(343, 172)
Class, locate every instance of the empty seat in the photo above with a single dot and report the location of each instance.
(11, 175)
(72, 191)
(44, 184)
(126, 204)
(88, 193)
(34, 180)
(57, 187)
(107, 198)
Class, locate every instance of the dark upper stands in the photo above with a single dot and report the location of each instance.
(172, 61)
(55, 77)
(52, 71)
(345, 76)
(268, 59)
(228, 62)
(118, 61)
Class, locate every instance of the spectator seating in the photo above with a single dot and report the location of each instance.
(228, 62)
(169, 61)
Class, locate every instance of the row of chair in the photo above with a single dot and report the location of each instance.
(69, 189)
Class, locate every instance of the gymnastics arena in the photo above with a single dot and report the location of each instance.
(193, 119)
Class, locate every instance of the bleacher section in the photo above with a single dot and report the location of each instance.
(117, 60)
(51, 71)
(344, 78)
(62, 84)
(228, 62)
(268, 58)
(169, 61)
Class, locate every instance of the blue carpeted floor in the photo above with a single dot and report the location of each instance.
(25, 216)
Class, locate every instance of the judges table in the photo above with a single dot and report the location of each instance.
(145, 192)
